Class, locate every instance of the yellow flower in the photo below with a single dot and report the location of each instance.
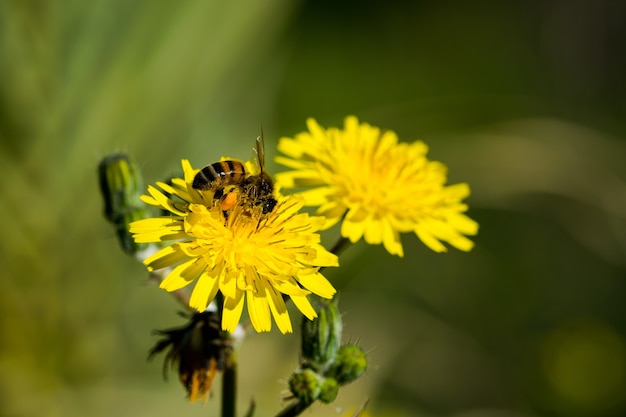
(261, 256)
(376, 186)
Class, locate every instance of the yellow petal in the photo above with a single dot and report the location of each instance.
(304, 306)
(149, 200)
(228, 284)
(192, 248)
(316, 196)
(259, 312)
(168, 256)
(204, 292)
(188, 172)
(462, 243)
(279, 310)
(323, 257)
(183, 274)
(156, 229)
(163, 201)
(146, 225)
(331, 209)
(317, 132)
(429, 240)
(391, 240)
(373, 231)
(232, 312)
(463, 224)
(289, 286)
(444, 232)
(388, 141)
(458, 191)
(317, 284)
(289, 162)
(290, 147)
(353, 230)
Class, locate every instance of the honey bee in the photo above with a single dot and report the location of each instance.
(225, 177)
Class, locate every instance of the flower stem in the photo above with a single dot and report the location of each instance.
(181, 295)
(340, 245)
(250, 412)
(294, 409)
(229, 378)
(229, 385)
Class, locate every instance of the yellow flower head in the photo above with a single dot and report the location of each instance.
(377, 186)
(247, 253)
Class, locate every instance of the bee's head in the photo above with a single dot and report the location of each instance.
(266, 190)
(269, 205)
(266, 185)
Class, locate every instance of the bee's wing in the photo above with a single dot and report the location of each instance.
(258, 154)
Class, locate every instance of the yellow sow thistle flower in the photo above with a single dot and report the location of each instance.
(377, 186)
(259, 256)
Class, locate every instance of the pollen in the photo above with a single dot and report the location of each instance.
(229, 201)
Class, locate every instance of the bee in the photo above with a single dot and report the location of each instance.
(224, 177)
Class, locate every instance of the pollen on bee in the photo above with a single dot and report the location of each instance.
(229, 201)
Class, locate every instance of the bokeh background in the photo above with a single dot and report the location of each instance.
(523, 100)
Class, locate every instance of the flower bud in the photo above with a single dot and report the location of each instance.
(121, 185)
(350, 363)
(329, 390)
(305, 385)
(321, 336)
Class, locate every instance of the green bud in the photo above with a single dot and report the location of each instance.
(125, 238)
(321, 336)
(350, 363)
(329, 390)
(121, 184)
(305, 385)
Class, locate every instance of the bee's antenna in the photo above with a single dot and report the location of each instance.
(260, 150)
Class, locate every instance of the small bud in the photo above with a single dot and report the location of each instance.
(305, 385)
(321, 336)
(329, 390)
(350, 363)
(121, 185)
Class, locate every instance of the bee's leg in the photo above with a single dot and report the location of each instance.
(218, 193)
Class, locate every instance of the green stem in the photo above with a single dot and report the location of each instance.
(229, 378)
(229, 385)
(340, 245)
(181, 295)
(294, 409)
(250, 412)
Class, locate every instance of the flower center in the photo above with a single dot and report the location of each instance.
(368, 181)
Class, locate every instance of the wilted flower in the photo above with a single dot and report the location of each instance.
(199, 349)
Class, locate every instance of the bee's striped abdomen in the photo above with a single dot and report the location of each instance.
(219, 174)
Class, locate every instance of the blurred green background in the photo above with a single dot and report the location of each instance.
(523, 100)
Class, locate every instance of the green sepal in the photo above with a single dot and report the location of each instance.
(305, 385)
(350, 363)
(121, 184)
(321, 337)
(329, 390)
